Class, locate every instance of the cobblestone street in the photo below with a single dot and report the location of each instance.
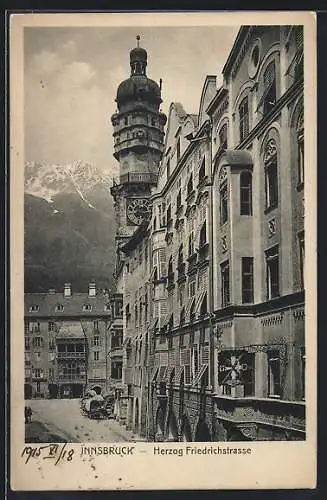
(62, 419)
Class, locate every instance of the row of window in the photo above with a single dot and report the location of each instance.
(247, 284)
(272, 276)
(61, 308)
(71, 371)
(34, 327)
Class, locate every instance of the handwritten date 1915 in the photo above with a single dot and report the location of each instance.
(57, 453)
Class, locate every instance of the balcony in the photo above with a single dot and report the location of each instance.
(71, 355)
(135, 178)
(259, 413)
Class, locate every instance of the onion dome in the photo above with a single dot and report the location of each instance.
(138, 87)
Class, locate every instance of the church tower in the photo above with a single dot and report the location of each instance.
(138, 145)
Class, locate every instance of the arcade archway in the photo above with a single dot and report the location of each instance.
(202, 433)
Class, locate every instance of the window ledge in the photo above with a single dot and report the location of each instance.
(270, 209)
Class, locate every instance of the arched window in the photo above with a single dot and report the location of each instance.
(182, 316)
(271, 174)
(204, 306)
(246, 193)
(270, 90)
(203, 234)
(244, 118)
(223, 137)
(170, 270)
(192, 312)
(223, 192)
(180, 255)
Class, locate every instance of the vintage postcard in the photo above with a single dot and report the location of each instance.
(163, 251)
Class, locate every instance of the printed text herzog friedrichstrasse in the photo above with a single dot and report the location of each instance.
(205, 450)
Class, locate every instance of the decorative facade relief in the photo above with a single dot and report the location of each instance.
(272, 227)
(270, 150)
(224, 244)
(222, 174)
(275, 319)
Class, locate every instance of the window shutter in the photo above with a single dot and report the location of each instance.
(156, 309)
(204, 355)
(164, 358)
(162, 262)
(162, 313)
(177, 357)
(171, 357)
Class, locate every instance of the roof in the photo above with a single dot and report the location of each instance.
(235, 49)
(72, 330)
(72, 306)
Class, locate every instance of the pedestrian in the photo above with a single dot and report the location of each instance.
(28, 414)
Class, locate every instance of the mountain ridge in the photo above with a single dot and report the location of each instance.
(69, 226)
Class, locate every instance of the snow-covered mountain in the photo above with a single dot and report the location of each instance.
(46, 180)
(69, 226)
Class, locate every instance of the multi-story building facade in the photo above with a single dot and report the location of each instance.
(212, 277)
(72, 342)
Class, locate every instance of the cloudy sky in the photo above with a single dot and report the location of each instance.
(72, 74)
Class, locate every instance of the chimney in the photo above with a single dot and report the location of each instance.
(67, 290)
(92, 289)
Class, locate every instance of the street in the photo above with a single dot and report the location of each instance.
(57, 420)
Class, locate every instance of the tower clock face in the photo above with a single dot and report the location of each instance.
(138, 210)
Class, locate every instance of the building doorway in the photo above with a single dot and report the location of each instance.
(53, 391)
(160, 425)
(186, 434)
(76, 391)
(172, 428)
(27, 391)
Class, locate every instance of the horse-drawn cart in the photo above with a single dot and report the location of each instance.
(97, 407)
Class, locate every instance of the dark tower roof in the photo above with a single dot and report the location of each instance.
(138, 87)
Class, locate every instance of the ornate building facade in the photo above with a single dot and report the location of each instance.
(210, 255)
(73, 342)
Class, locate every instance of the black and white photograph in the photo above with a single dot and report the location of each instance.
(164, 237)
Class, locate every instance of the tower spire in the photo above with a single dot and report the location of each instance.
(138, 40)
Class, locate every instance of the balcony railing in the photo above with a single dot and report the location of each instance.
(74, 377)
(75, 355)
(131, 177)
